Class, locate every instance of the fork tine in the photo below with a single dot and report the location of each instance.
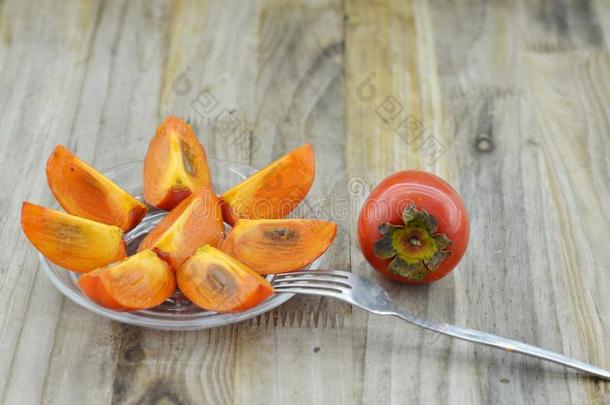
(326, 280)
(311, 286)
(312, 291)
(331, 273)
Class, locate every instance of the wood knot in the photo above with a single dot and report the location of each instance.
(484, 143)
(134, 354)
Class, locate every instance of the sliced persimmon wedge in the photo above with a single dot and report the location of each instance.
(83, 191)
(215, 281)
(271, 246)
(273, 191)
(139, 282)
(175, 166)
(74, 243)
(195, 222)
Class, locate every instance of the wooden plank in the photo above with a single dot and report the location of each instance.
(395, 121)
(574, 172)
(527, 80)
(481, 85)
(519, 183)
(41, 81)
(189, 367)
(137, 375)
(254, 82)
(557, 26)
(117, 114)
(601, 9)
(298, 97)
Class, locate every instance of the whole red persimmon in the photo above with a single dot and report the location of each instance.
(413, 227)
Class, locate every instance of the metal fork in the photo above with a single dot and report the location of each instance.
(369, 296)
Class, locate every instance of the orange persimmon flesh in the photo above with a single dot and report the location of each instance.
(74, 243)
(175, 166)
(215, 281)
(270, 246)
(195, 222)
(83, 191)
(141, 281)
(273, 191)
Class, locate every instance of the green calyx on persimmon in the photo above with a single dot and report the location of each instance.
(416, 248)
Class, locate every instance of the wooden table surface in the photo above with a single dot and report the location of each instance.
(509, 101)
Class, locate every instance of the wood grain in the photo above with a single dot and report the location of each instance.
(509, 101)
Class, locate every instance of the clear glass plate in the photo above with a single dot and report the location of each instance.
(177, 313)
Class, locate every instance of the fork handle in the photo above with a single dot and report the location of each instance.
(498, 342)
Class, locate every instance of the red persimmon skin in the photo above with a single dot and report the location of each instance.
(428, 192)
